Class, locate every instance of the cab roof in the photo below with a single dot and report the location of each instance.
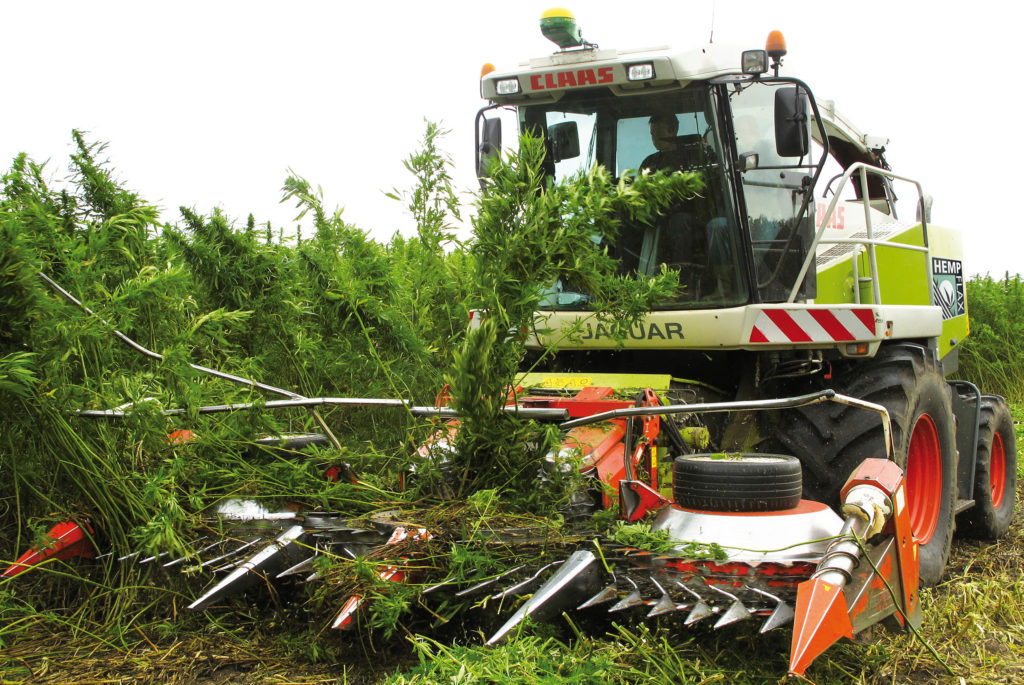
(549, 78)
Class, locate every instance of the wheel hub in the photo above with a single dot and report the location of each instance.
(997, 470)
(924, 479)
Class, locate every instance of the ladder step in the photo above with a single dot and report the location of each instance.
(963, 505)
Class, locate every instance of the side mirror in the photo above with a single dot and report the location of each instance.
(564, 141)
(489, 145)
(791, 133)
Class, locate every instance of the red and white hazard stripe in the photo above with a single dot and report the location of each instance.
(813, 325)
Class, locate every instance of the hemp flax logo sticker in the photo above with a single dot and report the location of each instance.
(948, 286)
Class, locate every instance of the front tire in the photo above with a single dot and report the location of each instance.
(832, 440)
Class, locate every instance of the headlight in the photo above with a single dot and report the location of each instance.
(507, 86)
(755, 61)
(640, 72)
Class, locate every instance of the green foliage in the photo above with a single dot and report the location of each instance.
(641, 536)
(335, 314)
(331, 313)
(528, 659)
(529, 234)
(17, 375)
(992, 356)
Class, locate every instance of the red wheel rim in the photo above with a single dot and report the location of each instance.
(997, 470)
(924, 479)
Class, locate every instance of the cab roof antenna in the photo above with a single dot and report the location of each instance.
(711, 38)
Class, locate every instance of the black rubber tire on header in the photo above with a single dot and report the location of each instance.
(831, 440)
(992, 513)
(737, 482)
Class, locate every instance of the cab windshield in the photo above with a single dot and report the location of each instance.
(674, 131)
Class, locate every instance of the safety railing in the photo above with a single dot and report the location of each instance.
(869, 242)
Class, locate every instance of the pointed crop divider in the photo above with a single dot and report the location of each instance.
(631, 600)
(316, 574)
(227, 555)
(154, 557)
(447, 581)
(522, 585)
(397, 573)
(736, 611)
(700, 609)
(822, 618)
(575, 568)
(485, 583)
(665, 605)
(306, 564)
(605, 595)
(68, 540)
(175, 562)
(344, 618)
(401, 533)
(782, 614)
(265, 562)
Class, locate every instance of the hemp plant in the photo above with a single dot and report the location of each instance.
(530, 232)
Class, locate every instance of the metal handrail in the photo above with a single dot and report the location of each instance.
(819, 397)
(869, 242)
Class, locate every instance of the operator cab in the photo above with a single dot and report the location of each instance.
(746, 235)
(693, 236)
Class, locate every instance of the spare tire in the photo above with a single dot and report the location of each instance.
(737, 482)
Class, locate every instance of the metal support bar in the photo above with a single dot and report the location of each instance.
(213, 372)
(872, 242)
(159, 357)
(827, 395)
(876, 291)
(539, 413)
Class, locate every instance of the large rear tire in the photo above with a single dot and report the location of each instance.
(832, 440)
(995, 474)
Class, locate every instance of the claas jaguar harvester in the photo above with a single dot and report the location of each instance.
(803, 285)
(800, 423)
